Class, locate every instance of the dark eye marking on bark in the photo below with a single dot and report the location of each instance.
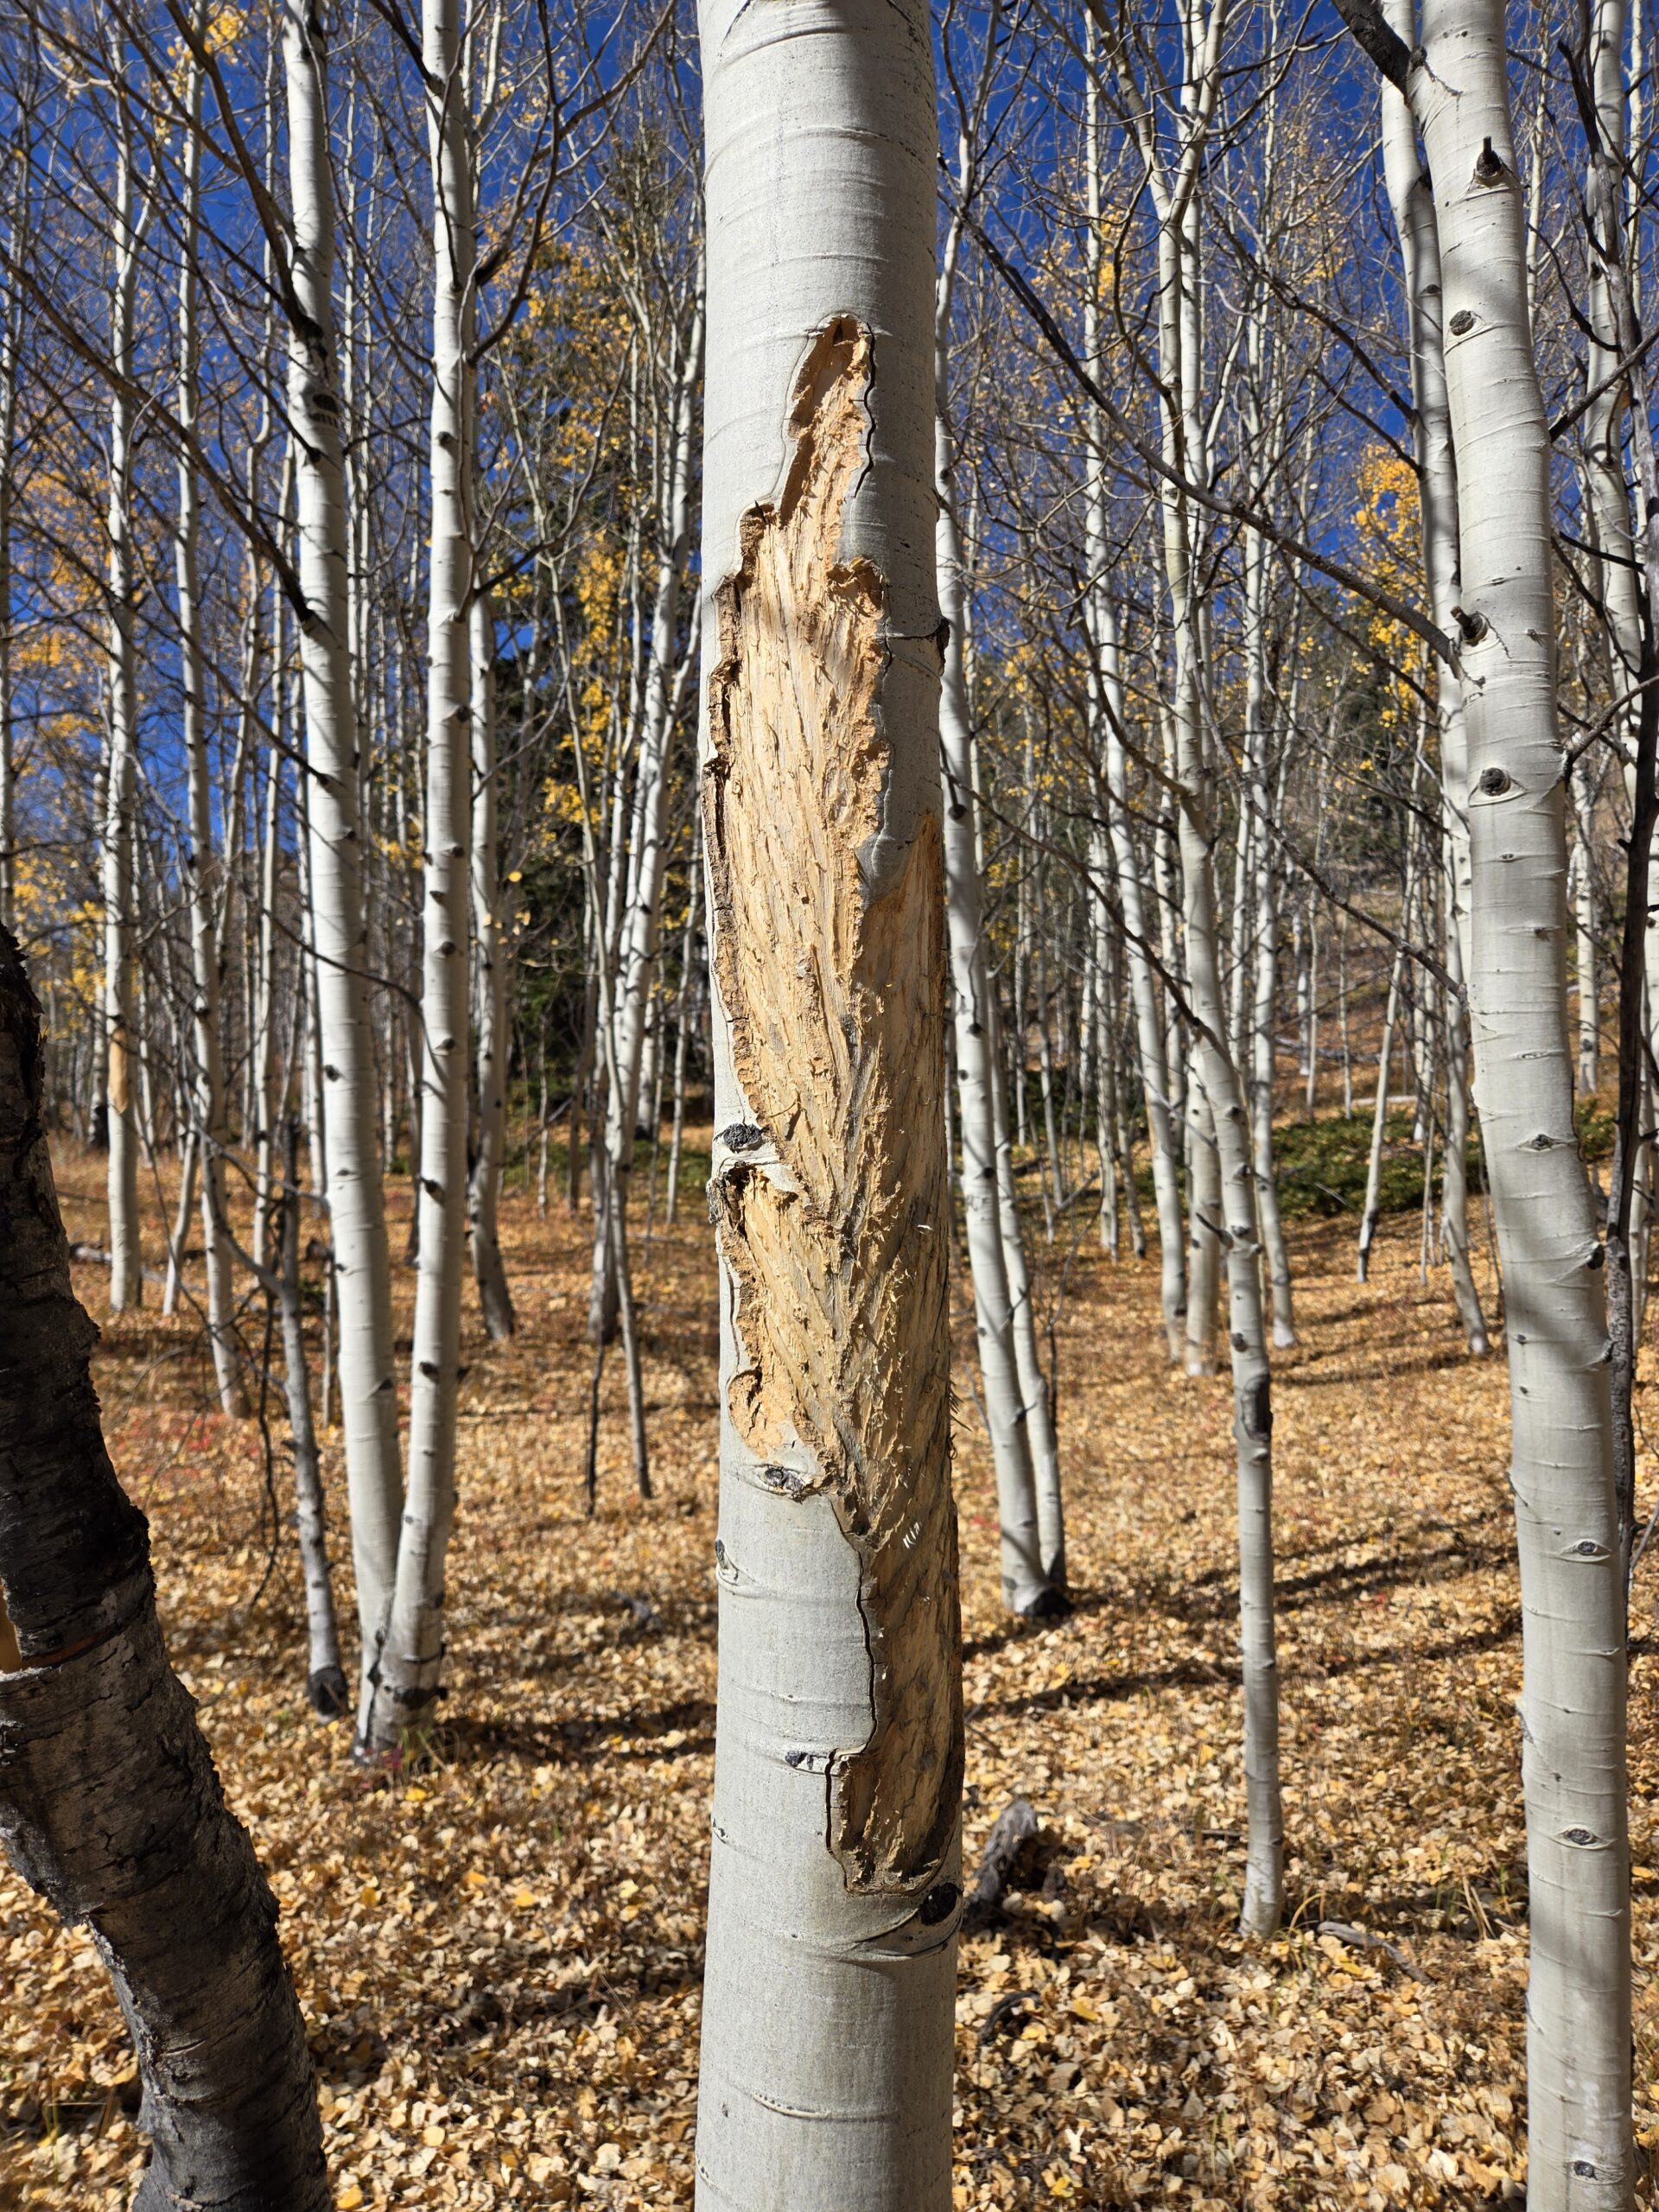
(835, 997)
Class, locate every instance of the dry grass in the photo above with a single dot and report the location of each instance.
(499, 1953)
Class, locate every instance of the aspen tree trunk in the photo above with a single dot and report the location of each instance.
(1264, 1008)
(1413, 205)
(180, 1237)
(109, 1804)
(346, 1099)
(326, 1685)
(1025, 1586)
(1034, 1388)
(1258, 986)
(1572, 1706)
(1379, 1121)
(1221, 1156)
(638, 947)
(12, 339)
(682, 1024)
(1614, 267)
(1143, 989)
(495, 1033)
(264, 1041)
(1584, 921)
(835, 1883)
(411, 1659)
(200, 873)
(120, 775)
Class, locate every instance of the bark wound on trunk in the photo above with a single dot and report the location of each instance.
(834, 1222)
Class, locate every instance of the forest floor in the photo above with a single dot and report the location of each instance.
(498, 1954)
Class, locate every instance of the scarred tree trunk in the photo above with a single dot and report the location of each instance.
(834, 1881)
(109, 1804)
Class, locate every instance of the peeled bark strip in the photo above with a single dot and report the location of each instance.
(832, 1216)
(1573, 1701)
(109, 1803)
(835, 1874)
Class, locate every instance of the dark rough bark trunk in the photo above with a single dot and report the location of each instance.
(109, 1803)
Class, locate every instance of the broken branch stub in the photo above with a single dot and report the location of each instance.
(835, 994)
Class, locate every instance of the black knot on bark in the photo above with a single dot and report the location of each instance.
(1463, 322)
(742, 1136)
(1472, 627)
(1489, 166)
(938, 1904)
(1494, 782)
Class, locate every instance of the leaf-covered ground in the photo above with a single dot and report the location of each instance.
(498, 1954)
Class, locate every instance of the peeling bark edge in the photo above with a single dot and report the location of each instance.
(832, 1223)
(110, 1806)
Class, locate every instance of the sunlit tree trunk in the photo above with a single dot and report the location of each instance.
(641, 922)
(1413, 205)
(834, 1879)
(120, 775)
(1027, 1586)
(1223, 1176)
(411, 1659)
(495, 1033)
(1573, 1701)
(109, 1804)
(326, 1685)
(16, 219)
(346, 1099)
(199, 868)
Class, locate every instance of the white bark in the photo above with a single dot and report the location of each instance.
(834, 1878)
(1026, 1588)
(411, 1659)
(1143, 988)
(200, 870)
(120, 772)
(1572, 1703)
(11, 333)
(648, 849)
(348, 1101)
(1223, 1171)
(326, 1685)
(1413, 205)
(494, 1036)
